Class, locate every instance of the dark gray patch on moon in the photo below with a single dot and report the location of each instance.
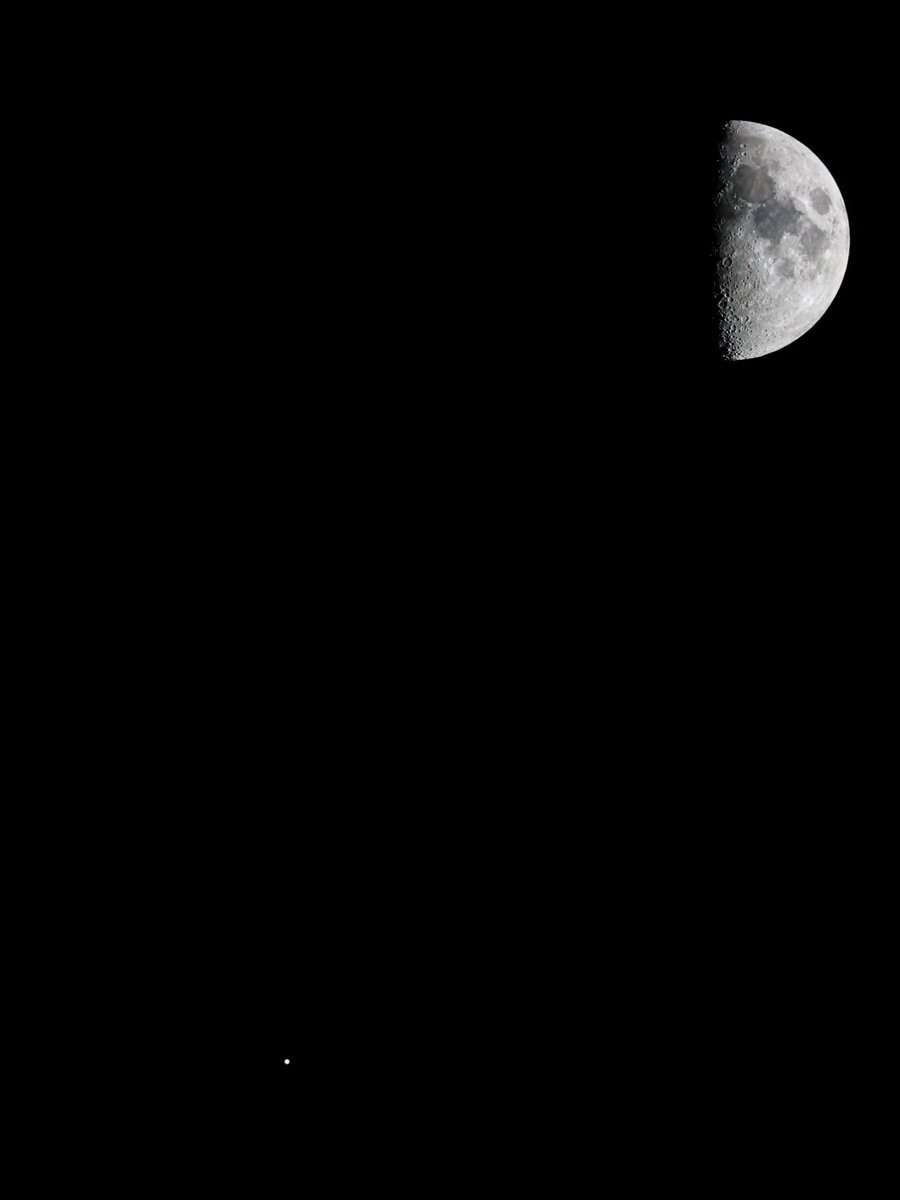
(774, 220)
(753, 184)
(812, 240)
(820, 201)
(785, 268)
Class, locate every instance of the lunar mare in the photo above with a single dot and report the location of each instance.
(782, 240)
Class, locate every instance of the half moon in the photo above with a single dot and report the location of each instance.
(782, 240)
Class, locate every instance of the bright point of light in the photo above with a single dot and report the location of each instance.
(286, 1061)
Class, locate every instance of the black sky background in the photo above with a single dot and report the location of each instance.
(523, 323)
(474, 608)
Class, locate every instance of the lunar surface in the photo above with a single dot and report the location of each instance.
(782, 240)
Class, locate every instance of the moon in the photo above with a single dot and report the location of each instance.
(782, 240)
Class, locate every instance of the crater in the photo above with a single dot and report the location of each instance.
(753, 184)
(732, 145)
(726, 209)
(820, 201)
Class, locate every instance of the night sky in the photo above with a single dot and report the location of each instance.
(468, 657)
(700, 526)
